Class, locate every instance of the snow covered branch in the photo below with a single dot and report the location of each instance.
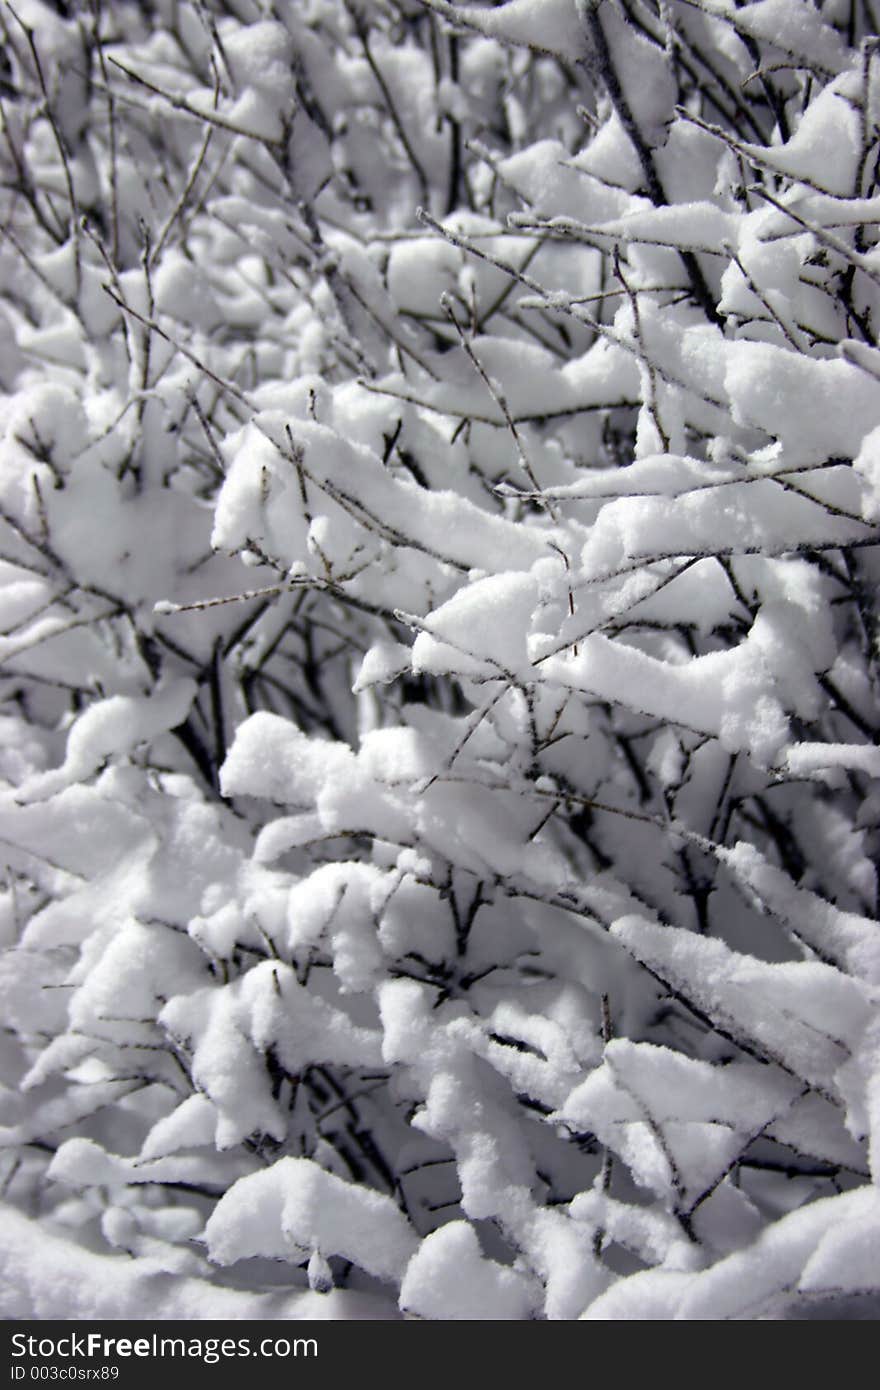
(439, 503)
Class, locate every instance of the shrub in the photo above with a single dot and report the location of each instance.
(470, 908)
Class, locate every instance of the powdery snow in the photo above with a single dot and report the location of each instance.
(46, 1275)
(297, 1205)
(439, 484)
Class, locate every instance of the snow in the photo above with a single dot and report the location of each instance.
(46, 1275)
(824, 150)
(816, 409)
(438, 756)
(725, 693)
(691, 226)
(277, 1012)
(181, 288)
(781, 1254)
(805, 1015)
(805, 758)
(677, 1123)
(845, 1260)
(793, 28)
(271, 757)
(535, 384)
(841, 936)
(755, 1282)
(288, 832)
(113, 726)
(481, 629)
(191, 1125)
(384, 662)
(449, 1278)
(416, 280)
(675, 1087)
(555, 183)
(296, 1206)
(552, 26)
(650, 87)
(226, 1066)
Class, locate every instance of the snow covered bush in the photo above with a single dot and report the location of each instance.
(439, 500)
